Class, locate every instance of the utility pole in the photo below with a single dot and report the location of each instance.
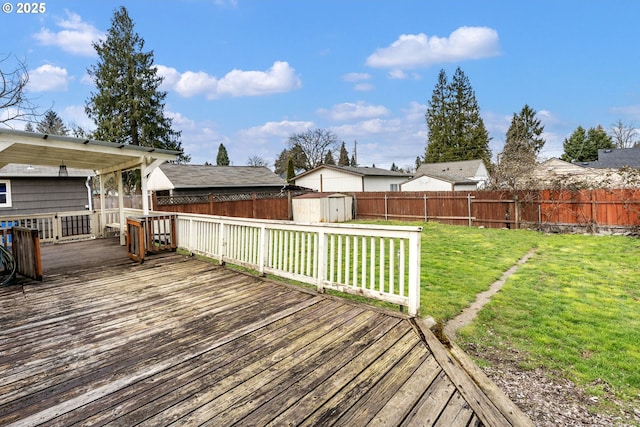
(355, 151)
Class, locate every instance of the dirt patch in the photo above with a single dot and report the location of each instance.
(548, 399)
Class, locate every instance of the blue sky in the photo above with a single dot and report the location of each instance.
(249, 73)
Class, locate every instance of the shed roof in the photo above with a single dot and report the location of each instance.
(201, 176)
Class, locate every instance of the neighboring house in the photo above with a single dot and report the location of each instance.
(330, 178)
(174, 179)
(556, 173)
(438, 183)
(32, 189)
(616, 158)
(458, 172)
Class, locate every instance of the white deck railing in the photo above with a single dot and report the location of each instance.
(55, 227)
(381, 262)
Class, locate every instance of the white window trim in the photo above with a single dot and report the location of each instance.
(8, 203)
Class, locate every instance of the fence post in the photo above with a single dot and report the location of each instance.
(517, 209)
(386, 209)
(211, 204)
(594, 208)
(253, 205)
(469, 208)
(426, 216)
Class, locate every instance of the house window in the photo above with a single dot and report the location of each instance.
(394, 187)
(5, 194)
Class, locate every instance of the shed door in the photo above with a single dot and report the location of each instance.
(336, 209)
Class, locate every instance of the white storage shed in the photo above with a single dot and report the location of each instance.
(322, 207)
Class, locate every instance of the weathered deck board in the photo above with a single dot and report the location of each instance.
(178, 341)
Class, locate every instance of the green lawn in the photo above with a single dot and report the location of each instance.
(573, 308)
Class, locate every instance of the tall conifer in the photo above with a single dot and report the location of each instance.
(127, 106)
(456, 130)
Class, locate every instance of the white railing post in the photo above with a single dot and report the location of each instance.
(321, 258)
(263, 246)
(222, 243)
(414, 273)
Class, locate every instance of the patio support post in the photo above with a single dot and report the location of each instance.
(144, 181)
(103, 212)
(121, 219)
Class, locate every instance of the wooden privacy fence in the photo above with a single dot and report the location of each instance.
(586, 210)
(245, 205)
(543, 209)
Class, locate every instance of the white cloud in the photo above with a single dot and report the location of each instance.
(279, 78)
(74, 115)
(397, 75)
(630, 111)
(283, 128)
(180, 122)
(356, 77)
(75, 36)
(48, 78)
(363, 87)
(420, 50)
(354, 111)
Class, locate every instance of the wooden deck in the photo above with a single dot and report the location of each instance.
(179, 341)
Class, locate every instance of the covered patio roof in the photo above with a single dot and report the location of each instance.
(22, 147)
(82, 153)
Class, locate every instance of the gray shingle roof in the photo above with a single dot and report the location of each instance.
(457, 170)
(616, 158)
(201, 176)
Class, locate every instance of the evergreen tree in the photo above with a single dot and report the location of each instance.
(418, 162)
(223, 157)
(343, 160)
(52, 124)
(291, 172)
(29, 127)
(353, 161)
(295, 154)
(522, 146)
(128, 107)
(394, 168)
(456, 130)
(583, 146)
(328, 159)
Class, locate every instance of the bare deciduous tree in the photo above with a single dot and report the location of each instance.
(257, 162)
(314, 144)
(623, 135)
(14, 105)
